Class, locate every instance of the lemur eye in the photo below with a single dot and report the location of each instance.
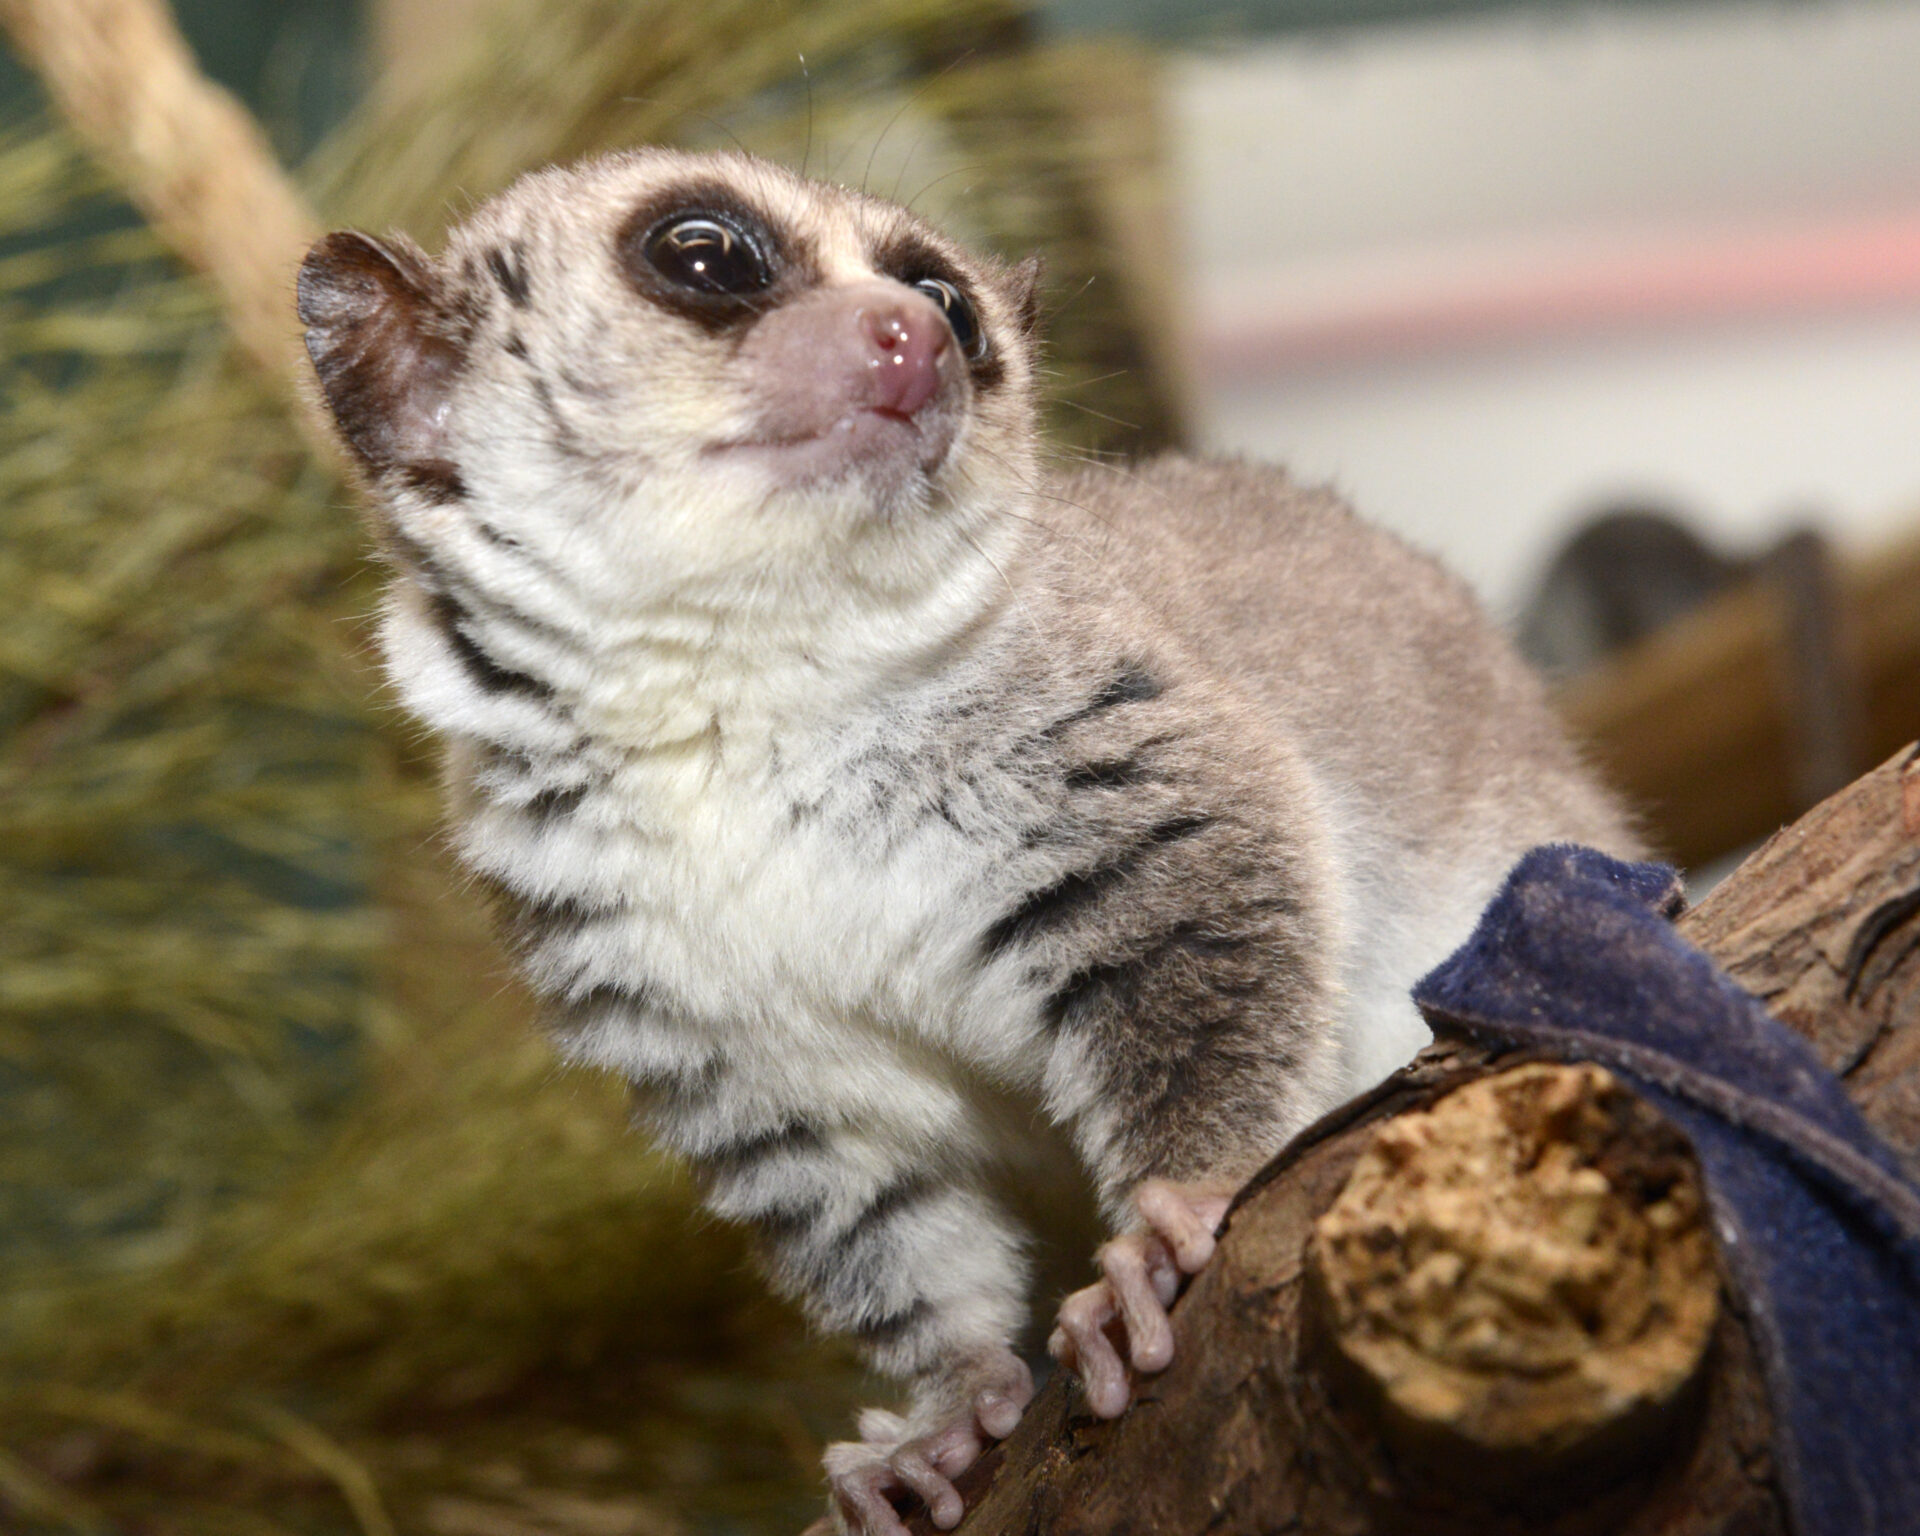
(959, 312)
(700, 252)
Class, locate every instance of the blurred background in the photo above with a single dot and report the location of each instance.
(1614, 306)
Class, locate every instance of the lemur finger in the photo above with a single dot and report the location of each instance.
(1084, 1317)
(1163, 1269)
(1183, 1219)
(911, 1465)
(1127, 1263)
(864, 1506)
(952, 1449)
(998, 1406)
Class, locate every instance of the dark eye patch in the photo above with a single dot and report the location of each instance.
(958, 309)
(701, 251)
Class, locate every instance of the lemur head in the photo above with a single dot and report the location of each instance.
(684, 380)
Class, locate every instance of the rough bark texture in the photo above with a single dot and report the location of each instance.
(1244, 1433)
(1823, 926)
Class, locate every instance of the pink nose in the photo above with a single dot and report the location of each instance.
(907, 344)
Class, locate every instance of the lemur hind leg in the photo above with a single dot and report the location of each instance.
(1142, 1271)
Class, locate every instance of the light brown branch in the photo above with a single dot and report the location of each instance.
(189, 156)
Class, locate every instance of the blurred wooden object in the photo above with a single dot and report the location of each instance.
(187, 154)
(1719, 729)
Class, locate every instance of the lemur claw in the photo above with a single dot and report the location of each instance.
(1141, 1274)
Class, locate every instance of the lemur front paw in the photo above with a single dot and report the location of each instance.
(896, 1457)
(1142, 1273)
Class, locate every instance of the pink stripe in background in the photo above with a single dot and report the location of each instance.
(1314, 315)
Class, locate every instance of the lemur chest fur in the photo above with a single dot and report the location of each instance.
(779, 891)
(876, 879)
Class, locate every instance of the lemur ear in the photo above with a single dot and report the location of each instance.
(372, 313)
(1024, 281)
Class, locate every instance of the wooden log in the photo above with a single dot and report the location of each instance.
(1822, 924)
(1264, 1423)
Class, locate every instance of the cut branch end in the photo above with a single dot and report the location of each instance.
(1518, 1284)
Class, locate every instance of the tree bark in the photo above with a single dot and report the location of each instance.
(1258, 1427)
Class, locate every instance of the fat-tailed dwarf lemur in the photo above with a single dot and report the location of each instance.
(871, 794)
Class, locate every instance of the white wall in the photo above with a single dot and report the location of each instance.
(1485, 272)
